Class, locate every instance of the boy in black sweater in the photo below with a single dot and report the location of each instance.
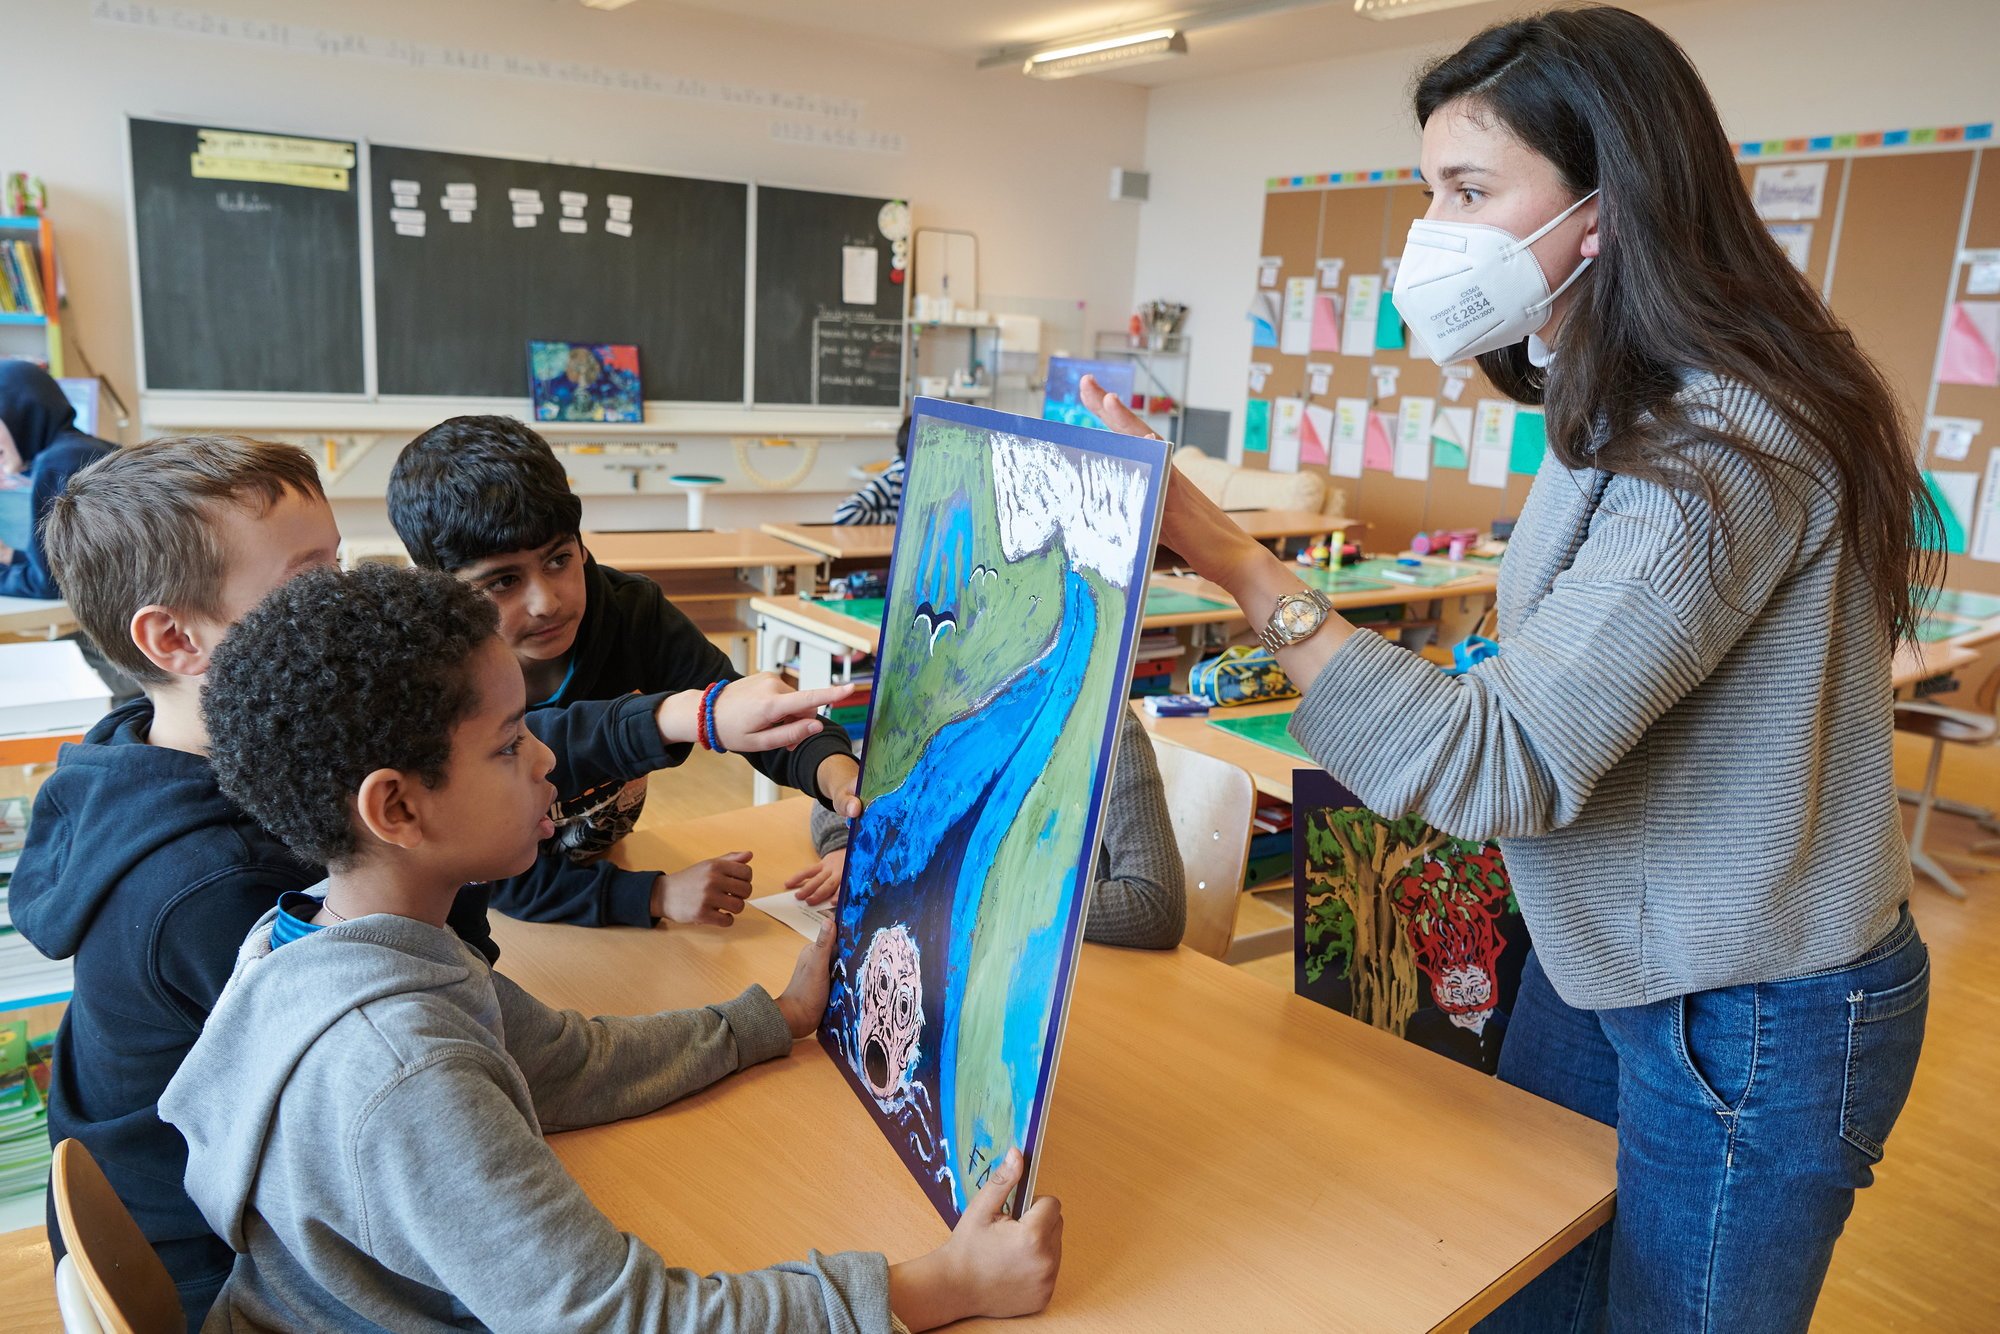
(136, 863)
(485, 499)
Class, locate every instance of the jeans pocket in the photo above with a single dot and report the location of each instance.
(1717, 1033)
(1885, 1033)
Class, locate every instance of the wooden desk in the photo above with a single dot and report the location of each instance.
(1276, 525)
(1920, 662)
(833, 541)
(719, 554)
(27, 616)
(1269, 770)
(1229, 1156)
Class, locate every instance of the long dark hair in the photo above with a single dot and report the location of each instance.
(1689, 280)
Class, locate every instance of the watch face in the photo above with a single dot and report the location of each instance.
(1297, 616)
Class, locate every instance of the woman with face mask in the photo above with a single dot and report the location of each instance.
(1684, 742)
(38, 439)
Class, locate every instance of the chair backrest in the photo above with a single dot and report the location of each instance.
(1211, 802)
(129, 1289)
(73, 1301)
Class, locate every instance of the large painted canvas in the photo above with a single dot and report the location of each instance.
(1062, 398)
(1015, 592)
(585, 382)
(1401, 925)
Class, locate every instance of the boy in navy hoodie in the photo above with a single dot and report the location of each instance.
(136, 863)
(485, 499)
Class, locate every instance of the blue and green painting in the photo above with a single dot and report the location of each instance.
(1015, 593)
(1062, 393)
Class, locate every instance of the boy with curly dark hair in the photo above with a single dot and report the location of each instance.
(485, 498)
(365, 1107)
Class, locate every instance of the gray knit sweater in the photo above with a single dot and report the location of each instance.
(1684, 752)
(1140, 898)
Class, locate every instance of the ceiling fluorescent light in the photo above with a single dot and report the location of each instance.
(1088, 57)
(1396, 9)
(606, 4)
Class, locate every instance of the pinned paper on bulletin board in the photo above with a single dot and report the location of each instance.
(1260, 371)
(1531, 441)
(1326, 323)
(1971, 344)
(1456, 377)
(1986, 531)
(1413, 438)
(1295, 334)
(1378, 451)
(1287, 418)
(1350, 437)
(1388, 323)
(1329, 273)
(1257, 427)
(1263, 317)
(1492, 443)
(1315, 436)
(1385, 380)
(1955, 494)
(1954, 436)
(1789, 191)
(1982, 272)
(1451, 438)
(1267, 270)
(1795, 239)
(1319, 375)
(1364, 299)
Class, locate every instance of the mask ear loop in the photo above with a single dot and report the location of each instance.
(1544, 230)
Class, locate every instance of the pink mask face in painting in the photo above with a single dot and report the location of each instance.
(892, 1011)
(1447, 905)
(1465, 994)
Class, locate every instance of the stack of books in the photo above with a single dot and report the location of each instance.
(24, 1114)
(1157, 654)
(26, 976)
(1270, 844)
(21, 280)
(852, 712)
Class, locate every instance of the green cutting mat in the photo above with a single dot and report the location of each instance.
(1268, 730)
(1426, 575)
(861, 609)
(1934, 628)
(1338, 581)
(1958, 602)
(1171, 602)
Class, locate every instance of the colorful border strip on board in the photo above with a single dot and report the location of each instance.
(1749, 148)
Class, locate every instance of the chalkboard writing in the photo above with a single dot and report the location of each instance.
(858, 362)
(802, 241)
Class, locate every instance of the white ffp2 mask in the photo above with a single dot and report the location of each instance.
(1465, 288)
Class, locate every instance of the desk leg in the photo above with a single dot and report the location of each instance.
(1458, 618)
(815, 671)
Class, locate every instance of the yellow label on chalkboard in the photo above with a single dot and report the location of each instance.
(206, 167)
(276, 148)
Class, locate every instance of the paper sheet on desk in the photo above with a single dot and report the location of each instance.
(787, 908)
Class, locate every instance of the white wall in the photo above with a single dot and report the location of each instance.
(1777, 68)
(1023, 165)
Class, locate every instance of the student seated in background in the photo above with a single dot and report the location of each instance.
(136, 864)
(485, 499)
(38, 437)
(881, 496)
(365, 1109)
(1140, 895)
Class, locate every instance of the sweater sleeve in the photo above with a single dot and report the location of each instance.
(585, 1072)
(877, 501)
(555, 889)
(603, 741)
(450, 1175)
(1140, 898)
(1651, 604)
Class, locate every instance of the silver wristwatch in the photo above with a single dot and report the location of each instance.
(1297, 617)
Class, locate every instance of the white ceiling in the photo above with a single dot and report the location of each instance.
(970, 29)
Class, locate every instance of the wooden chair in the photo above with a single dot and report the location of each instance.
(124, 1287)
(1941, 725)
(1211, 802)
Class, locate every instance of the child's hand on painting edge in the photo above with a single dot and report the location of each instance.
(820, 881)
(708, 893)
(804, 1000)
(754, 713)
(1111, 410)
(992, 1265)
(839, 781)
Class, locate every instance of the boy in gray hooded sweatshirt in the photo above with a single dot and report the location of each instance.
(364, 1109)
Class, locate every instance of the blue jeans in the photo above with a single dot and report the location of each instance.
(1747, 1118)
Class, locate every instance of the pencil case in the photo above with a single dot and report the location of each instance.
(1245, 674)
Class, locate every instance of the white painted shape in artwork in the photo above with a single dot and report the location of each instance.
(1097, 504)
